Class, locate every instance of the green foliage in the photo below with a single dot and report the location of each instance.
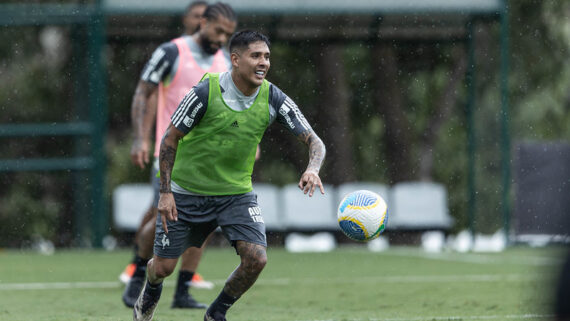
(367, 125)
(120, 170)
(367, 152)
(31, 87)
(539, 79)
(25, 215)
(36, 86)
(450, 168)
(125, 63)
(277, 173)
(540, 75)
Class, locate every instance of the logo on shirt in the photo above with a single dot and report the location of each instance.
(188, 121)
(235, 124)
(195, 111)
(284, 111)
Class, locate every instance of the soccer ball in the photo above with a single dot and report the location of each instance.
(362, 215)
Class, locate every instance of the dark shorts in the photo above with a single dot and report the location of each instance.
(238, 216)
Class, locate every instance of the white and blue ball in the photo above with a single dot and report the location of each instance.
(362, 215)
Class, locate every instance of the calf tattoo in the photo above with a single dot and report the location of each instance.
(253, 259)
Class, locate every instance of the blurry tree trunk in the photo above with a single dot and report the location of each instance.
(442, 111)
(388, 97)
(335, 114)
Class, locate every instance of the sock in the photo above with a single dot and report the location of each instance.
(184, 278)
(222, 303)
(135, 250)
(154, 290)
(141, 266)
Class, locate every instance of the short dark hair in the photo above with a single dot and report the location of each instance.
(217, 9)
(241, 39)
(194, 4)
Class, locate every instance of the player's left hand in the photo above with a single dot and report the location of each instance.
(140, 153)
(167, 209)
(309, 181)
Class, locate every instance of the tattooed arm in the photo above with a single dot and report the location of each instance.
(144, 105)
(286, 112)
(168, 147)
(310, 178)
(143, 115)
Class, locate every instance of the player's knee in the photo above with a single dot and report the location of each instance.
(260, 263)
(163, 270)
(255, 264)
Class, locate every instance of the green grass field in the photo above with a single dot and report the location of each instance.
(350, 283)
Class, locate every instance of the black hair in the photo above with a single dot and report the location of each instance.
(241, 39)
(194, 4)
(213, 11)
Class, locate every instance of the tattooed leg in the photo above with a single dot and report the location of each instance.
(253, 260)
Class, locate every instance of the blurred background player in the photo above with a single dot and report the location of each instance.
(192, 16)
(190, 22)
(205, 178)
(171, 72)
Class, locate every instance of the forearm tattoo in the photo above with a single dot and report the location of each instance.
(317, 149)
(253, 259)
(167, 157)
(139, 112)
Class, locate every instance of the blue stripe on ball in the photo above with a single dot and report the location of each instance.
(352, 230)
(347, 202)
(364, 200)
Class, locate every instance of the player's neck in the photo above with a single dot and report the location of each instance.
(196, 37)
(242, 85)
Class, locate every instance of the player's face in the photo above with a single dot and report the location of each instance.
(215, 33)
(191, 20)
(252, 64)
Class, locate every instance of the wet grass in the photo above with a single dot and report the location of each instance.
(350, 283)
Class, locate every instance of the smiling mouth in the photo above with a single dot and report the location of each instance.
(260, 73)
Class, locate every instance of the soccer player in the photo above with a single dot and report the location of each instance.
(191, 22)
(192, 15)
(206, 161)
(171, 72)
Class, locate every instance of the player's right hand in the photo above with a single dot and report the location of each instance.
(167, 209)
(140, 153)
(309, 181)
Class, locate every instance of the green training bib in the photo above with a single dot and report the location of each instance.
(217, 156)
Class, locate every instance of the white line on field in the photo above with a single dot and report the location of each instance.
(288, 281)
(451, 318)
(479, 259)
(58, 285)
(404, 279)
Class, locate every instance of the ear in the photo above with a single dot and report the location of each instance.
(234, 58)
(203, 22)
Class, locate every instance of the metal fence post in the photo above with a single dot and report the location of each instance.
(98, 115)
